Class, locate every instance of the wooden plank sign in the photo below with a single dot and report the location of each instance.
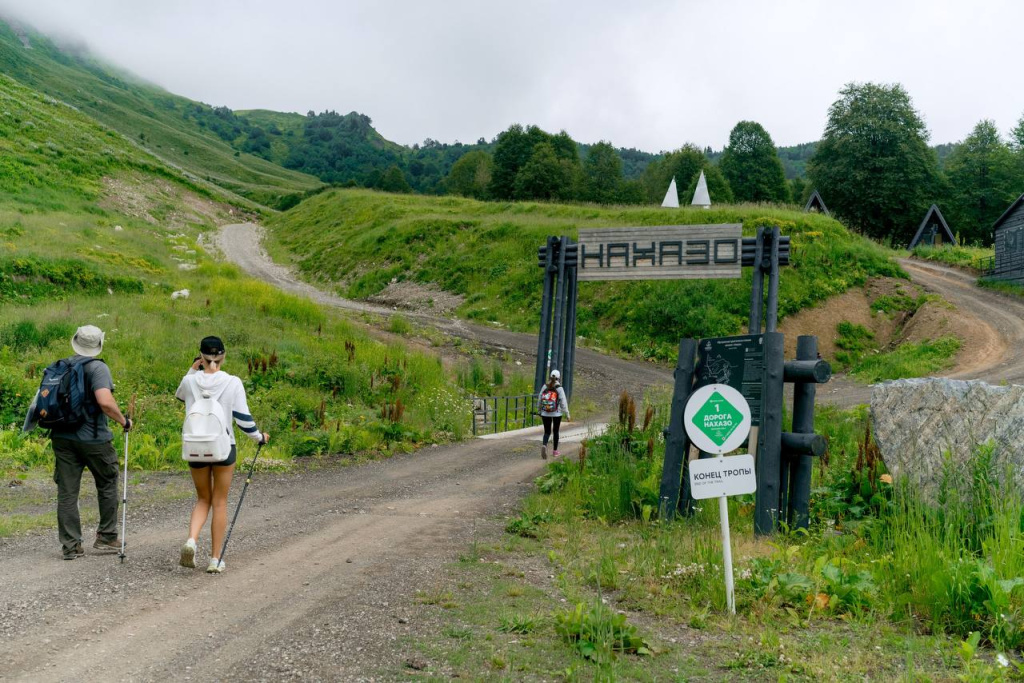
(669, 252)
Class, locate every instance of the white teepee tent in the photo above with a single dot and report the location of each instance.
(700, 195)
(671, 200)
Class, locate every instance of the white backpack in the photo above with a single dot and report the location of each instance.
(205, 436)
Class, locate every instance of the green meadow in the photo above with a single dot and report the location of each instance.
(359, 241)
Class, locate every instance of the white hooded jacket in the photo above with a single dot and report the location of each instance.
(231, 397)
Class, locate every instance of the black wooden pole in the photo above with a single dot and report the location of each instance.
(798, 510)
(767, 502)
(559, 324)
(677, 444)
(772, 314)
(570, 336)
(544, 336)
(756, 286)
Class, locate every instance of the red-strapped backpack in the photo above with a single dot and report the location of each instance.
(549, 401)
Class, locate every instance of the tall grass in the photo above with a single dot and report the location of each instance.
(876, 550)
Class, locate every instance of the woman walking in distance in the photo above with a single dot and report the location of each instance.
(552, 406)
(214, 481)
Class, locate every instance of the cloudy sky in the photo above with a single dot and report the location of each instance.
(651, 74)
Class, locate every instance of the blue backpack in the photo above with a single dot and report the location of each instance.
(63, 403)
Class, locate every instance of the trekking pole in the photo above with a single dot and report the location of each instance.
(124, 498)
(248, 478)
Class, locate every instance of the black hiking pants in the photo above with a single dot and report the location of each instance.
(71, 458)
(551, 425)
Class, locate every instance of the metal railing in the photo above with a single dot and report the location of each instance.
(493, 414)
(986, 265)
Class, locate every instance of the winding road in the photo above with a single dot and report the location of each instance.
(325, 564)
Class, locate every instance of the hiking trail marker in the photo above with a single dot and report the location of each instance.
(717, 420)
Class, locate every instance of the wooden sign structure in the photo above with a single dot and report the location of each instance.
(688, 252)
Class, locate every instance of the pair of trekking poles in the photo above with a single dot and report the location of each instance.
(124, 498)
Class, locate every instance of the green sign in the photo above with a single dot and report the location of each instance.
(717, 419)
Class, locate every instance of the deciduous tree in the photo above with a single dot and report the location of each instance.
(873, 163)
(982, 182)
(752, 166)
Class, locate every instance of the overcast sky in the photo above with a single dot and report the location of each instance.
(651, 74)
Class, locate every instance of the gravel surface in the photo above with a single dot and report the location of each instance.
(324, 565)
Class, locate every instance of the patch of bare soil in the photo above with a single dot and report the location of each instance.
(413, 296)
(853, 306)
(161, 201)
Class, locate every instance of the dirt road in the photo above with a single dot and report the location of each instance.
(324, 565)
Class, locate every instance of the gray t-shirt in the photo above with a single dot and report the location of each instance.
(97, 428)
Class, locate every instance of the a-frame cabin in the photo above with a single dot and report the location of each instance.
(933, 231)
(816, 204)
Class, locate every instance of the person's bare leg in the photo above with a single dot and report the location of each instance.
(221, 486)
(202, 477)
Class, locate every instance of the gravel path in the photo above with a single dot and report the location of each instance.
(325, 564)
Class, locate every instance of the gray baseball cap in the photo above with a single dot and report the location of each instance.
(88, 341)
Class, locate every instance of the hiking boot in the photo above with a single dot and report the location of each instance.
(216, 566)
(113, 544)
(78, 551)
(188, 554)
(543, 452)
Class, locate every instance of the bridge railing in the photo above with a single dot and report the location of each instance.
(494, 414)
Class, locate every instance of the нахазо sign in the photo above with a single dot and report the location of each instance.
(668, 252)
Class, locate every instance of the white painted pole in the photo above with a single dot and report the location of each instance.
(723, 509)
(723, 513)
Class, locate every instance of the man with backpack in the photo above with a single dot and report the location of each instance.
(74, 401)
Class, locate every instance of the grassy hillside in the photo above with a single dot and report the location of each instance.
(94, 230)
(486, 252)
(178, 130)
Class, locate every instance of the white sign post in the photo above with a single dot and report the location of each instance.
(717, 420)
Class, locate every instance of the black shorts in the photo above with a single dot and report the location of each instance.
(223, 463)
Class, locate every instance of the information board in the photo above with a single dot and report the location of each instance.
(737, 362)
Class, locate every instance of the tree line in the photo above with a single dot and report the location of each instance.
(873, 165)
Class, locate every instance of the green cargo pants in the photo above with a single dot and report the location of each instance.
(71, 458)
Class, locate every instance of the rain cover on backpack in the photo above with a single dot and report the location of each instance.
(205, 436)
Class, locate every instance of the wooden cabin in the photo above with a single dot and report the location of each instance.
(815, 204)
(934, 231)
(1009, 242)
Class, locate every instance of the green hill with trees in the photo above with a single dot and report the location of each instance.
(359, 241)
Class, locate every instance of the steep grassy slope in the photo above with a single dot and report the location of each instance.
(486, 252)
(94, 230)
(174, 128)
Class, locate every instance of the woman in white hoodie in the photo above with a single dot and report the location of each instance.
(214, 481)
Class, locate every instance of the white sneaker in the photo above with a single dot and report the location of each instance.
(188, 554)
(216, 566)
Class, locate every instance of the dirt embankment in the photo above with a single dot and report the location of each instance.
(935, 318)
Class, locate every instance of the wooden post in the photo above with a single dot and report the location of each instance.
(559, 332)
(757, 286)
(570, 335)
(798, 510)
(544, 336)
(677, 444)
(771, 317)
(766, 509)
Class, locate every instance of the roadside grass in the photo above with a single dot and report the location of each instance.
(359, 240)
(961, 257)
(1001, 286)
(882, 585)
